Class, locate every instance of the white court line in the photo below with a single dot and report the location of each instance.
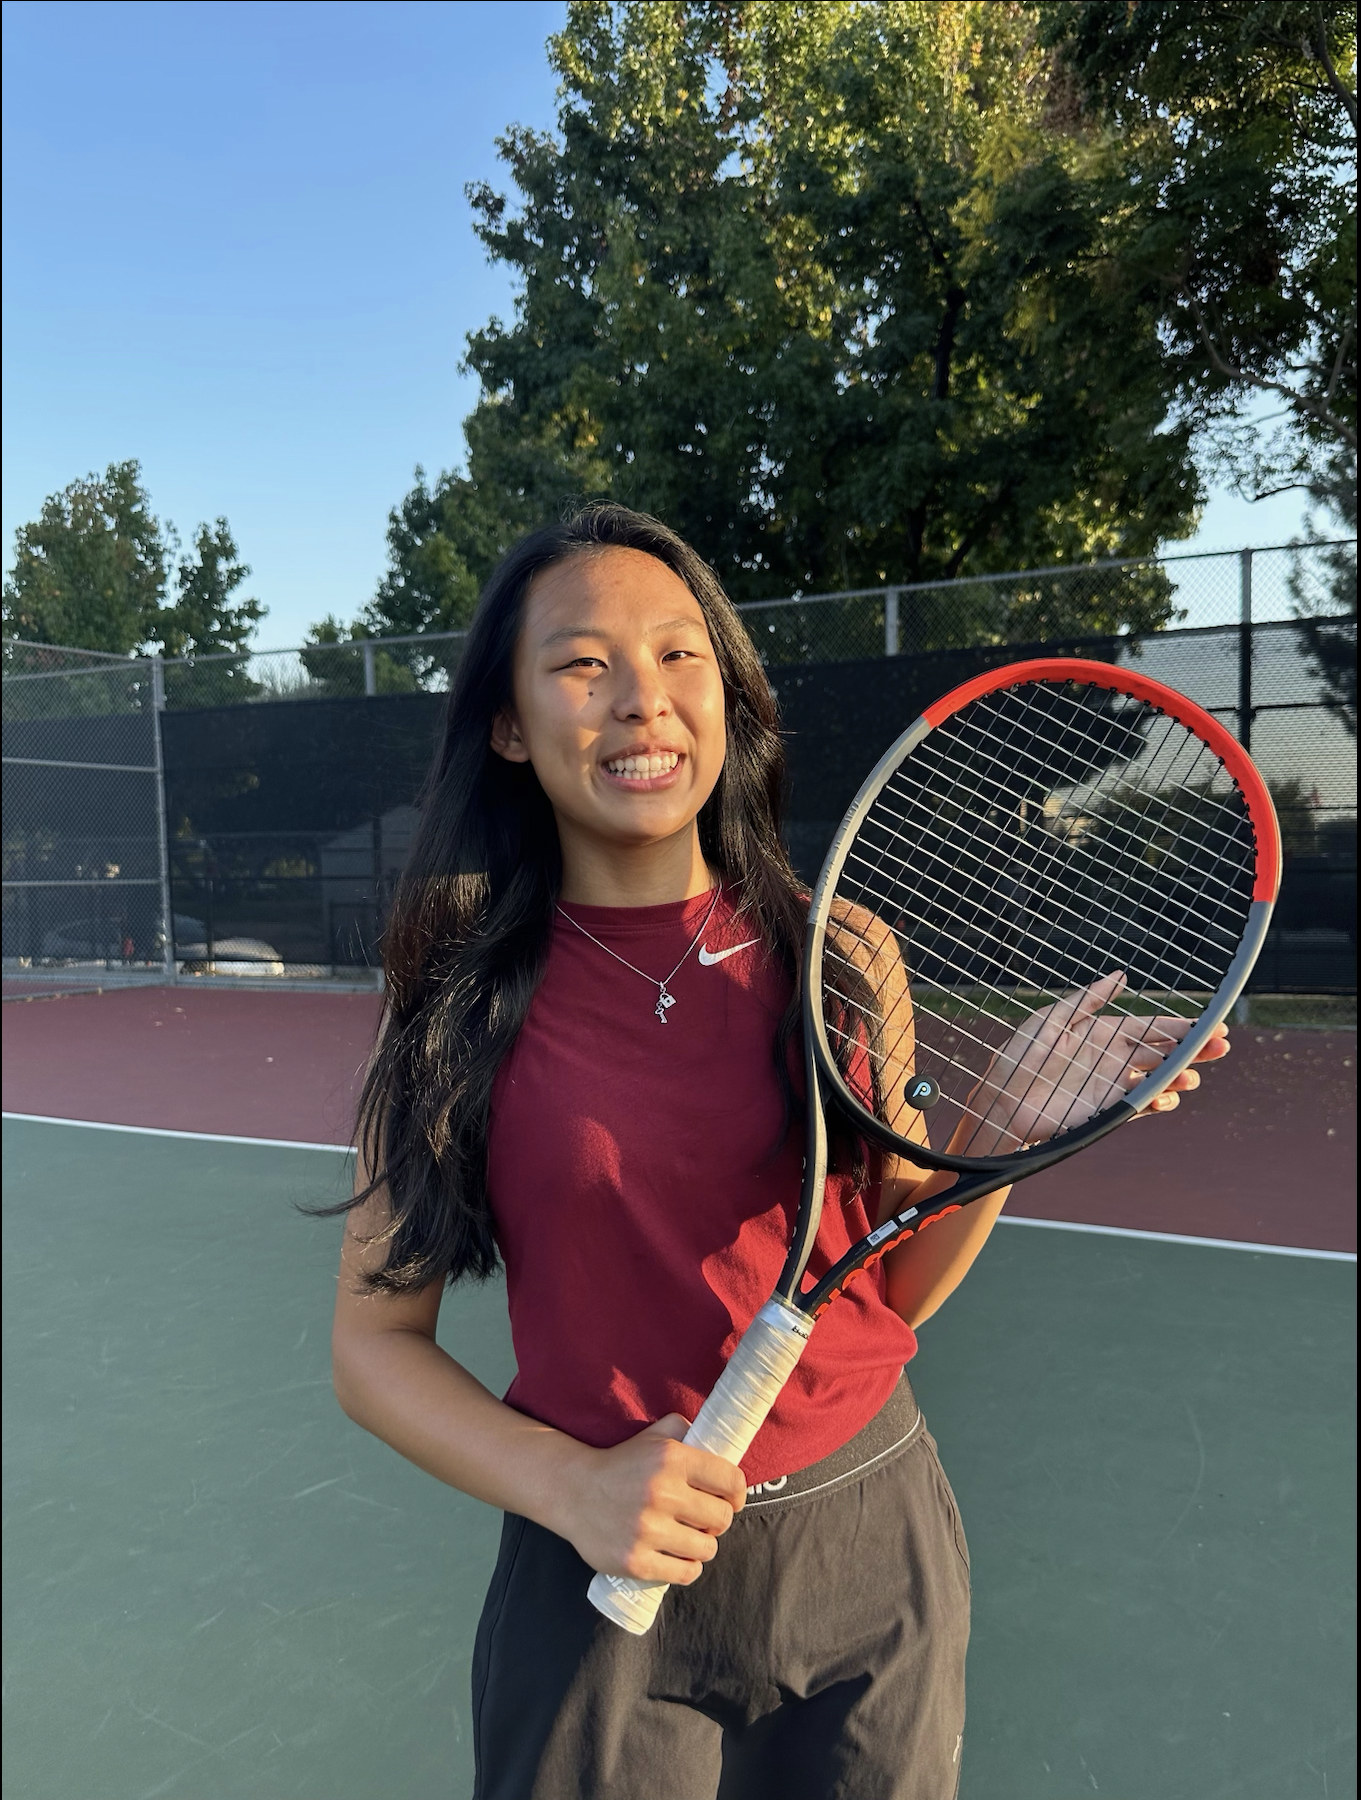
(1173, 1237)
(201, 1137)
(1121, 1231)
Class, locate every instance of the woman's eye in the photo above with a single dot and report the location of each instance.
(584, 662)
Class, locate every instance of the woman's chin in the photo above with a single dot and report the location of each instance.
(634, 825)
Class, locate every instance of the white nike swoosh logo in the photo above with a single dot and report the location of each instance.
(709, 957)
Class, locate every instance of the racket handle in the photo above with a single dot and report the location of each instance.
(726, 1424)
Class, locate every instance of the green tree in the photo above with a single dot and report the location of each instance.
(208, 620)
(428, 585)
(1237, 126)
(334, 661)
(1323, 594)
(829, 289)
(96, 569)
(91, 570)
(443, 541)
(832, 289)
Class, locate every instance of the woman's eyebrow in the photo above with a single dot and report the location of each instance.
(672, 624)
(589, 631)
(569, 631)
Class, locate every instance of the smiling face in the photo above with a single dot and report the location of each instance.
(619, 707)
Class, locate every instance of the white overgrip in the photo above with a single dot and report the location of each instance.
(726, 1424)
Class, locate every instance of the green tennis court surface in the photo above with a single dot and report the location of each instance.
(217, 1587)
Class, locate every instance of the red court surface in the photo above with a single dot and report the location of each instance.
(247, 1064)
(1265, 1153)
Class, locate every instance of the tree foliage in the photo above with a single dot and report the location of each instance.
(428, 585)
(207, 619)
(91, 569)
(98, 571)
(832, 289)
(1237, 120)
(334, 661)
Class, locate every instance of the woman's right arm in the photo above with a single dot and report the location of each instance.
(651, 1507)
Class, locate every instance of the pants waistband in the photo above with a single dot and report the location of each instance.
(896, 1426)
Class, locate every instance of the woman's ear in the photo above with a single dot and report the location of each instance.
(505, 736)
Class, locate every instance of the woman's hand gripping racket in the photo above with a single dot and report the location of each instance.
(1044, 900)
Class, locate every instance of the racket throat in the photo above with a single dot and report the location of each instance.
(814, 1189)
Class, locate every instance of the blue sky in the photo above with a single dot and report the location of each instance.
(237, 249)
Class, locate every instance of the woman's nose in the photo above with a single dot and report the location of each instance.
(641, 695)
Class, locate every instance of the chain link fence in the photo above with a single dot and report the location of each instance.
(1131, 598)
(249, 815)
(85, 852)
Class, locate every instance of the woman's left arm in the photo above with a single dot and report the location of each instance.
(923, 1272)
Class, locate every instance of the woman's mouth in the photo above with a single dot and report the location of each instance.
(643, 769)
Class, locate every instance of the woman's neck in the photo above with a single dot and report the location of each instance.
(598, 874)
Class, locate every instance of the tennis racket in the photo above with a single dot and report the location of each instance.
(1054, 885)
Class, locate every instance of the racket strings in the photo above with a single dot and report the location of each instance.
(956, 1021)
(1212, 834)
(1093, 1084)
(978, 905)
(1036, 890)
(1041, 839)
(856, 1041)
(1228, 837)
(1050, 852)
(1131, 837)
(1044, 863)
(1081, 850)
(1094, 1079)
(1120, 835)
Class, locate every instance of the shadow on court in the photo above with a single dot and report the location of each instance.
(217, 1588)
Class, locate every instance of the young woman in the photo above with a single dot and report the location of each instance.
(588, 1071)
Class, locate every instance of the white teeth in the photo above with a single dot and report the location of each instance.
(644, 768)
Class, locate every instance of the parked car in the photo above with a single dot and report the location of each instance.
(230, 955)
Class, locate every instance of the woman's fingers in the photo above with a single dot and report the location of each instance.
(1160, 1034)
(1086, 1003)
(682, 1541)
(1172, 1031)
(710, 1474)
(658, 1505)
(1068, 1060)
(703, 1512)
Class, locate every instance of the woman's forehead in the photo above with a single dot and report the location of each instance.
(610, 585)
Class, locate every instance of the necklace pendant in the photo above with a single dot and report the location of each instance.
(664, 1000)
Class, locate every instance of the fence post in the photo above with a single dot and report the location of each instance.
(370, 670)
(891, 621)
(162, 823)
(377, 875)
(1245, 649)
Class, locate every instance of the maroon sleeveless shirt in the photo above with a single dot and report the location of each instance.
(643, 1192)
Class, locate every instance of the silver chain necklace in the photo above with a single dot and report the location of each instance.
(665, 999)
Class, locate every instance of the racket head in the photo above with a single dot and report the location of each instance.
(1039, 828)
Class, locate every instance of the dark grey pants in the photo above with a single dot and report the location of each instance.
(820, 1656)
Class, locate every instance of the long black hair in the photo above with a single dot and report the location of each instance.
(471, 920)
